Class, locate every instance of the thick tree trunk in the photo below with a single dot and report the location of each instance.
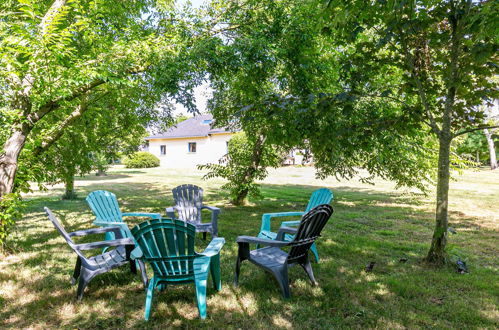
(241, 197)
(492, 149)
(69, 185)
(437, 255)
(8, 159)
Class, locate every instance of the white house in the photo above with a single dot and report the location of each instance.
(191, 142)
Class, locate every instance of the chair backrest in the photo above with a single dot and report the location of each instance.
(320, 196)
(188, 200)
(309, 230)
(105, 206)
(62, 231)
(168, 245)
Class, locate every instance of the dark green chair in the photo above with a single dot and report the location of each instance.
(168, 246)
(276, 261)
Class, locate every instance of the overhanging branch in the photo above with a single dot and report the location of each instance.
(474, 129)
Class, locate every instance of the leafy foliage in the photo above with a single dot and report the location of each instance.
(11, 208)
(246, 162)
(141, 159)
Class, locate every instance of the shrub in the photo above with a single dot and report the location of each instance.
(141, 159)
(245, 163)
(10, 210)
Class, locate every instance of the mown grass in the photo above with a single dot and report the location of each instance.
(370, 223)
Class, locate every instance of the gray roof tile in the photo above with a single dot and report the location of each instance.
(196, 126)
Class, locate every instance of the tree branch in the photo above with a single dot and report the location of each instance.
(57, 132)
(421, 92)
(50, 14)
(474, 129)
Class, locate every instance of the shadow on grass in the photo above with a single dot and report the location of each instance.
(366, 226)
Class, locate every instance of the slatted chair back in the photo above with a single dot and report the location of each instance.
(61, 230)
(320, 196)
(188, 200)
(168, 245)
(105, 206)
(309, 230)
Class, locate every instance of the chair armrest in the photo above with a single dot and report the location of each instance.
(150, 215)
(115, 229)
(170, 211)
(210, 208)
(285, 230)
(285, 214)
(290, 223)
(215, 211)
(260, 241)
(267, 216)
(214, 247)
(109, 223)
(98, 245)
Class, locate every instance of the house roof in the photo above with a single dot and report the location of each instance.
(197, 126)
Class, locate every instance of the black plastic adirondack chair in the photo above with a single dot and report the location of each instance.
(276, 261)
(87, 268)
(188, 204)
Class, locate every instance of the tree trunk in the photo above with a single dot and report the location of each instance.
(241, 197)
(437, 255)
(69, 184)
(492, 149)
(8, 160)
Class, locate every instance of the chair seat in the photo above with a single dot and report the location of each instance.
(110, 259)
(202, 227)
(268, 257)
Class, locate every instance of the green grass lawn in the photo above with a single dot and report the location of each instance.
(370, 223)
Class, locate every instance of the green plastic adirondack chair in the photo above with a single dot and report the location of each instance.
(107, 213)
(168, 246)
(320, 196)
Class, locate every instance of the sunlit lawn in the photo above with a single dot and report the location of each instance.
(370, 223)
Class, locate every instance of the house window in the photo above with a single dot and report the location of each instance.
(192, 147)
(162, 150)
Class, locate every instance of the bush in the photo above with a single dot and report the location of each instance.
(141, 159)
(11, 208)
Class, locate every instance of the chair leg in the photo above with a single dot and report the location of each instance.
(85, 278)
(133, 266)
(201, 280)
(238, 269)
(76, 272)
(204, 235)
(143, 273)
(150, 293)
(281, 276)
(313, 248)
(215, 272)
(308, 269)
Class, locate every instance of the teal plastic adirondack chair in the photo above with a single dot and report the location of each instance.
(320, 196)
(107, 213)
(168, 246)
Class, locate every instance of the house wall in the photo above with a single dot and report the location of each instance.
(208, 150)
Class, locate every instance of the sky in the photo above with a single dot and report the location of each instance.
(201, 93)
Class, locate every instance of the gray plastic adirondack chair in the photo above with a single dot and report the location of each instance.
(318, 197)
(188, 204)
(276, 261)
(87, 268)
